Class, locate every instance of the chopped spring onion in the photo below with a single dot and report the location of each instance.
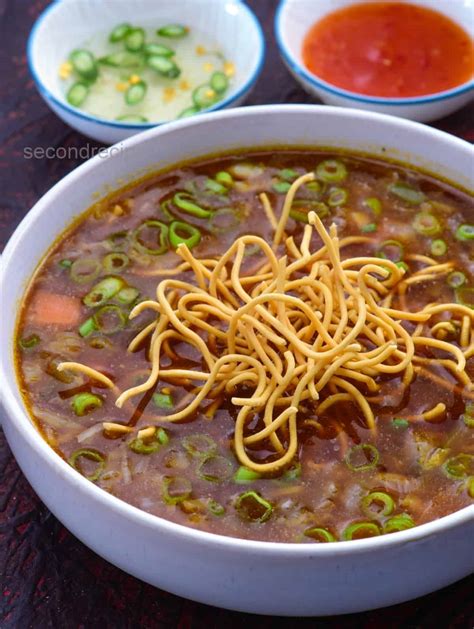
(85, 270)
(362, 457)
(281, 187)
(465, 296)
(468, 415)
(134, 39)
(403, 265)
(204, 96)
(214, 186)
(115, 262)
(438, 247)
(318, 534)
(391, 250)
(407, 193)
(224, 178)
(84, 403)
(157, 232)
(164, 66)
(288, 174)
(118, 240)
(184, 234)
(90, 455)
(163, 400)
(176, 489)
(214, 468)
(109, 319)
(300, 209)
(66, 264)
(465, 232)
(103, 291)
(84, 64)
(27, 342)
(77, 94)
(150, 445)
(337, 197)
(374, 205)
(460, 466)
(87, 327)
(361, 530)
(219, 82)
(199, 445)
(136, 93)
(122, 59)
(456, 279)
(185, 202)
(369, 228)
(331, 170)
(159, 49)
(377, 503)
(173, 31)
(399, 422)
(245, 475)
(127, 295)
(251, 506)
(400, 522)
(426, 224)
(189, 111)
(215, 508)
(119, 32)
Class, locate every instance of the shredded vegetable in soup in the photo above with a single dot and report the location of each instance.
(275, 346)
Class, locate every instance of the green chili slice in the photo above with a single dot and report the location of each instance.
(184, 201)
(320, 535)
(184, 234)
(245, 475)
(119, 32)
(109, 319)
(163, 400)
(456, 279)
(361, 530)
(90, 455)
(406, 193)
(374, 204)
(136, 93)
(331, 171)
(154, 231)
(164, 66)
(391, 250)
(377, 503)
(159, 49)
(400, 522)
(426, 224)
(369, 228)
(115, 262)
(173, 30)
(204, 96)
(215, 508)
(85, 270)
(465, 296)
(27, 342)
(362, 457)
(77, 94)
(214, 468)
(460, 466)
(219, 82)
(199, 445)
(122, 59)
(84, 64)
(337, 197)
(84, 403)
(134, 39)
(103, 291)
(251, 506)
(176, 489)
(465, 232)
(189, 111)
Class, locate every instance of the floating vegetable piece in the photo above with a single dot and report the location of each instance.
(251, 506)
(119, 32)
(406, 193)
(122, 59)
(135, 39)
(84, 403)
(159, 49)
(331, 170)
(318, 534)
(156, 235)
(84, 63)
(183, 233)
(77, 94)
(173, 30)
(164, 66)
(204, 96)
(90, 455)
(136, 93)
(465, 232)
(219, 82)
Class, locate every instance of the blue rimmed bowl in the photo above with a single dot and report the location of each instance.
(67, 24)
(294, 18)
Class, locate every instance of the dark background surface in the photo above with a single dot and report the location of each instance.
(47, 577)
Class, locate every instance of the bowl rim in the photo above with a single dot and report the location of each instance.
(300, 70)
(19, 417)
(64, 105)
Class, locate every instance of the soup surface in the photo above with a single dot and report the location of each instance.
(346, 480)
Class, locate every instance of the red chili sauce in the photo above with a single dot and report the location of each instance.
(389, 49)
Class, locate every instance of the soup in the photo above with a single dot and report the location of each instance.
(275, 345)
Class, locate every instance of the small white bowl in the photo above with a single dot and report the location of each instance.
(294, 18)
(67, 24)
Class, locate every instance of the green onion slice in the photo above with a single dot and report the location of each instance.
(151, 237)
(84, 63)
(127, 295)
(115, 262)
(27, 342)
(438, 247)
(281, 187)
(391, 250)
(66, 264)
(224, 178)
(426, 224)
(77, 94)
(84, 403)
(184, 201)
(151, 445)
(136, 93)
(374, 204)
(119, 32)
(199, 445)
(134, 39)
(337, 197)
(245, 475)
(460, 466)
(103, 291)
(109, 319)
(184, 234)
(331, 170)
(399, 422)
(288, 174)
(377, 503)
(176, 489)
(85, 270)
(215, 187)
(173, 30)
(362, 457)
(361, 530)
(215, 508)
(90, 455)
(320, 535)
(163, 400)
(164, 66)
(468, 415)
(456, 279)
(406, 193)
(214, 468)
(251, 506)
(400, 522)
(465, 232)
(87, 327)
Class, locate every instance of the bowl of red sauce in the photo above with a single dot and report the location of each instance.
(410, 59)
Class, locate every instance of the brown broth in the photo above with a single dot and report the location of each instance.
(327, 493)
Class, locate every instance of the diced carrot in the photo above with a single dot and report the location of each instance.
(52, 308)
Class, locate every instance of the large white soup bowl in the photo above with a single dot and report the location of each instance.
(252, 576)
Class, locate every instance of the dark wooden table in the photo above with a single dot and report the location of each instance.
(47, 577)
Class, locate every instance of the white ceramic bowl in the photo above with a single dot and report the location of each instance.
(66, 24)
(252, 576)
(292, 22)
